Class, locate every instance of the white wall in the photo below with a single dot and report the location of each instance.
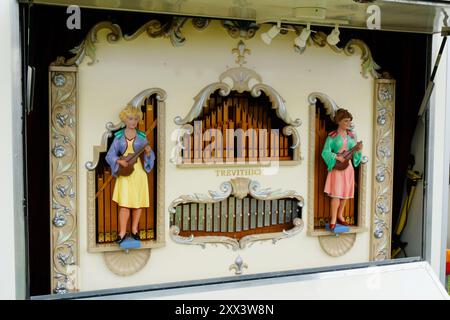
(438, 162)
(12, 257)
(126, 68)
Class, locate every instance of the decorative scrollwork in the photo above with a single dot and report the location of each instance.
(240, 28)
(63, 184)
(170, 29)
(87, 46)
(200, 23)
(319, 38)
(154, 28)
(240, 188)
(329, 104)
(240, 78)
(201, 100)
(384, 144)
(368, 64)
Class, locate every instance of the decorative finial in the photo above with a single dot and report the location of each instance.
(240, 52)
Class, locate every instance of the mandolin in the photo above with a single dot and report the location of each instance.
(131, 158)
(347, 155)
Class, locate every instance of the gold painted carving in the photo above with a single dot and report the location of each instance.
(63, 179)
(384, 122)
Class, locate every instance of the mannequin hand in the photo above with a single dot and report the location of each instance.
(122, 163)
(148, 150)
(340, 159)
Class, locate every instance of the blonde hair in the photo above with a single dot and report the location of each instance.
(129, 110)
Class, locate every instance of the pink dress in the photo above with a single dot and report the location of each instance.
(341, 183)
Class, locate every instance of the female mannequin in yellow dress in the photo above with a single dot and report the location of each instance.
(130, 192)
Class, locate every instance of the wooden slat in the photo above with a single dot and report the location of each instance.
(238, 115)
(231, 214)
(226, 145)
(149, 218)
(114, 214)
(194, 218)
(100, 212)
(288, 211)
(220, 114)
(178, 213)
(263, 144)
(186, 152)
(260, 213)
(320, 177)
(225, 111)
(198, 132)
(216, 216)
(238, 219)
(267, 213)
(253, 213)
(274, 212)
(317, 161)
(186, 217)
(191, 144)
(219, 145)
(281, 210)
(223, 215)
(246, 214)
(108, 200)
(209, 216)
(201, 216)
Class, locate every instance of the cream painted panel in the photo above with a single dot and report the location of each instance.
(126, 68)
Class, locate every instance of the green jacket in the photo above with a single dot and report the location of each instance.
(333, 144)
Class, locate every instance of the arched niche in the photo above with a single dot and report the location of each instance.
(238, 120)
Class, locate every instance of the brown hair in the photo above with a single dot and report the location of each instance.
(342, 114)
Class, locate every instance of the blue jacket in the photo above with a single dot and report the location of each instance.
(119, 146)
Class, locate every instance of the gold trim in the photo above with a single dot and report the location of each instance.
(383, 150)
(63, 119)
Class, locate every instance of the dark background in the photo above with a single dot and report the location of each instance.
(403, 55)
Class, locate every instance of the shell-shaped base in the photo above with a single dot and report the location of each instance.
(126, 263)
(337, 246)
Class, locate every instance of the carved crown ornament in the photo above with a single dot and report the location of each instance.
(239, 188)
(172, 30)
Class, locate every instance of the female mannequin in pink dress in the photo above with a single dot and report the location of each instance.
(340, 184)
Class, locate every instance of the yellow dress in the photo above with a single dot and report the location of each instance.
(132, 191)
